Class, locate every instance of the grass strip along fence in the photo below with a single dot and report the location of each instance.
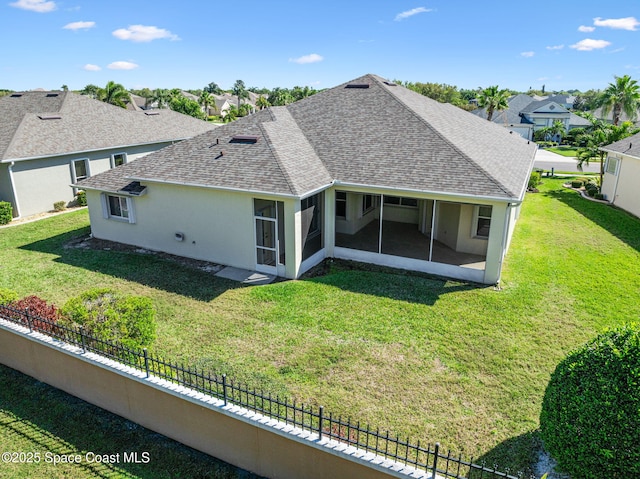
(429, 458)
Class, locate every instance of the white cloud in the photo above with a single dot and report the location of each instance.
(143, 33)
(40, 6)
(313, 58)
(627, 23)
(411, 13)
(122, 66)
(91, 67)
(527, 54)
(555, 47)
(586, 29)
(589, 44)
(79, 25)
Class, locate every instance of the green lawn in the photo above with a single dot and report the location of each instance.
(569, 151)
(432, 359)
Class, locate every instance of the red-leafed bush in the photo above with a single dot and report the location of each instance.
(38, 310)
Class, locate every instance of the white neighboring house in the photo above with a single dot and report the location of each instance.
(622, 174)
(49, 140)
(425, 187)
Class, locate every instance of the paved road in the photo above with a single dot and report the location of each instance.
(547, 160)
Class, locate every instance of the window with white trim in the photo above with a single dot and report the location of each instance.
(80, 170)
(483, 221)
(118, 159)
(367, 204)
(118, 208)
(612, 165)
(400, 201)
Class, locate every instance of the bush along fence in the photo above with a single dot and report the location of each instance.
(425, 457)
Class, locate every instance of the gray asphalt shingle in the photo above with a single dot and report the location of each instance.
(382, 136)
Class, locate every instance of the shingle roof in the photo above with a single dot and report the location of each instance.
(84, 124)
(382, 136)
(628, 146)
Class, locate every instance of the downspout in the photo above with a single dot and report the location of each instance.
(13, 191)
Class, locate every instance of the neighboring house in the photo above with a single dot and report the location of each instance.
(426, 186)
(49, 140)
(622, 174)
(525, 115)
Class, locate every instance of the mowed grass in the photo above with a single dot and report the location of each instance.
(569, 151)
(425, 358)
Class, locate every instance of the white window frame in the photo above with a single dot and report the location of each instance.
(476, 220)
(87, 166)
(124, 157)
(615, 161)
(366, 210)
(128, 207)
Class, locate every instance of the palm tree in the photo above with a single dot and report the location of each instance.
(231, 114)
(90, 90)
(161, 97)
(262, 103)
(114, 94)
(493, 99)
(206, 100)
(621, 96)
(598, 135)
(240, 91)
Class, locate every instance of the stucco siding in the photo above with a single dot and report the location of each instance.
(6, 193)
(39, 183)
(622, 189)
(216, 226)
(468, 242)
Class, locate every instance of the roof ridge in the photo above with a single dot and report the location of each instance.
(274, 152)
(441, 136)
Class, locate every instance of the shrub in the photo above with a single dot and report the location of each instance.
(109, 316)
(534, 180)
(60, 206)
(7, 296)
(577, 184)
(81, 198)
(6, 212)
(38, 310)
(590, 414)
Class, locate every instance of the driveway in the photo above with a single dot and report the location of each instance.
(546, 160)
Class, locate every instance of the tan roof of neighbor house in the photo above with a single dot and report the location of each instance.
(36, 124)
(367, 132)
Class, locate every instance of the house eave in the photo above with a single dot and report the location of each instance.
(430, 193)
(83, 152)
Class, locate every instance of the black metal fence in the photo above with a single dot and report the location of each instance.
(427, 457)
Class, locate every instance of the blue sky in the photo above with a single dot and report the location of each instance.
(470, 44)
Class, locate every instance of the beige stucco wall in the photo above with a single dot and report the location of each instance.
(497, 243)
(6, 193)
(205, 426)
(447, 223)
(217, 225)
(467, 241)
(39, 183)
(622, 189)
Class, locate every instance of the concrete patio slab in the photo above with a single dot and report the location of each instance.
(245, 276)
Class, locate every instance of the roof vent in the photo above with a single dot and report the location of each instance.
(151, 113)
(50, 117)
(16, 95)
(357, 85)
(244, 139)
(390, 83)
(49, 95)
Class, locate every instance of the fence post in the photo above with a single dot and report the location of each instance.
(84, 348)
(146, 361)
(320, 416)
(224, 388)
(436, 452)
(26, 312)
